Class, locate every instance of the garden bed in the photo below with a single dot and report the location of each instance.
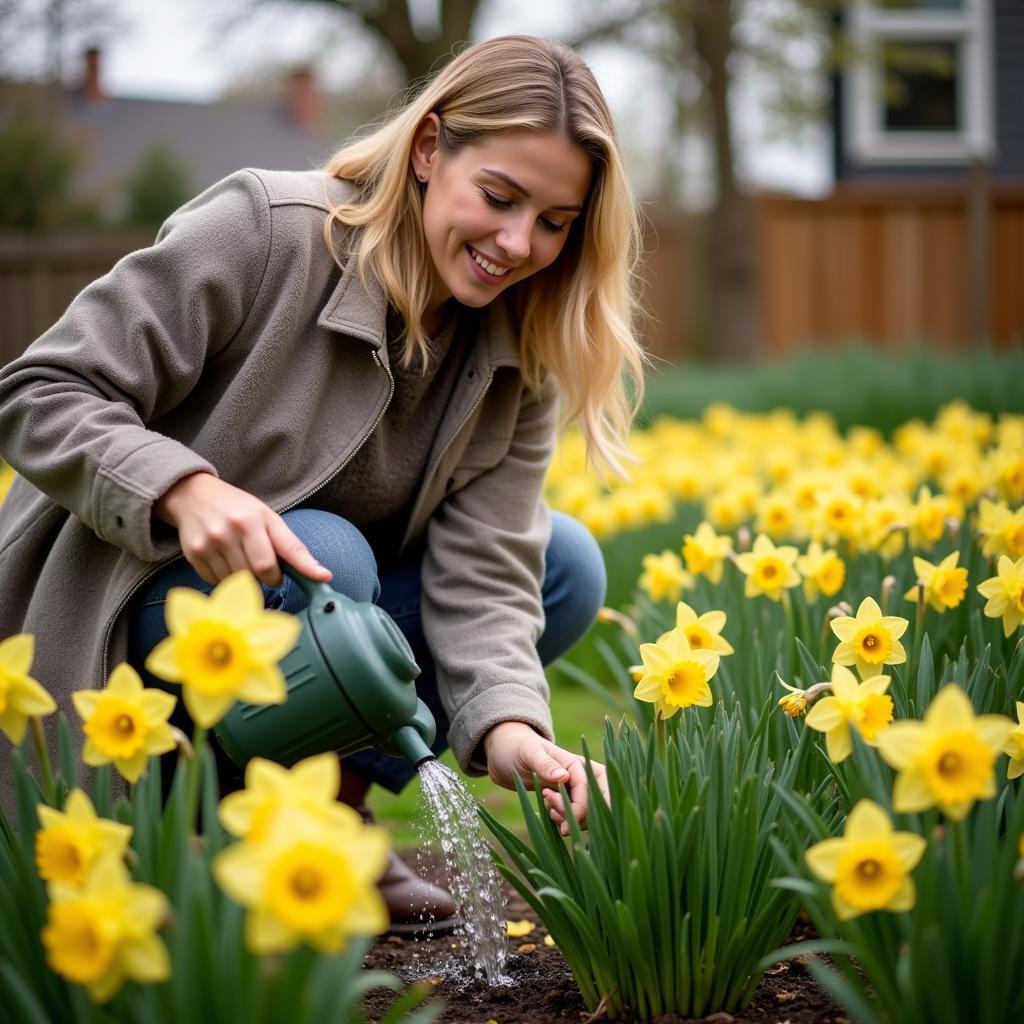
(543, 990)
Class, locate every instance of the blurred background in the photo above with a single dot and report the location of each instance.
(813, 171)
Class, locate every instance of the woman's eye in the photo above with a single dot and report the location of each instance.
(552, 226)
(494, 200)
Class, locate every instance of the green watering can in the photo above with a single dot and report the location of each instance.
(350, 682)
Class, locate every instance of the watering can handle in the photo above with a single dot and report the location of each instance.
(311, 588)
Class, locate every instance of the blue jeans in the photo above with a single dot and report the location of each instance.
(573, 591)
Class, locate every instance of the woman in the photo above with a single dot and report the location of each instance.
(357, 370)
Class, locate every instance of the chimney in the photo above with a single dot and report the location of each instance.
(91, 91)
(303, 101)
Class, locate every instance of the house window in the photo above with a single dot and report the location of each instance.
(922, 89)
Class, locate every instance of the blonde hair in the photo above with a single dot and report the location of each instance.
(576, 317)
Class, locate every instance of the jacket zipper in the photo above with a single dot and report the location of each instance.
(167, 561)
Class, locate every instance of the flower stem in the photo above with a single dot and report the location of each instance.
(39, 741)
(787, 607)
(659, 733)
(194, 774)
(918, 626)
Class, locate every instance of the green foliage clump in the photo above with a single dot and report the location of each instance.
(159, 184)
(37, 171)
(666, 905)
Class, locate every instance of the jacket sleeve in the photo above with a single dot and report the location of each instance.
(481, 590)
(130, 347)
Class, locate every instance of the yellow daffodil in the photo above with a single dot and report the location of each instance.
(823, 571)
(703, 632)
(306, 881)
(102, 934)
(1001, 531)
(125, 724)
(1005, 593)
(928, 519)
(311, 785)
(70, 843)
(840, 512)
(1008, 470)
(865, 706)
(599, 519)
(870, 639)
(224, 647)
(705, 552)
(776, 515)
(21, 697)
(724, 510)
(769, 570)
(1015, 745)
(884, 526)
(963, 483)
(944, 584)
(674, 675)
(948, 760)
(869, 867)
(664, 577)
(794, 704)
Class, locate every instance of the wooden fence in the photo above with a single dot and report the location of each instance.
(893, 266)
(890, 266)
(39, 276)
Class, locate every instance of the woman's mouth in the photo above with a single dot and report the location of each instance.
(484, 269)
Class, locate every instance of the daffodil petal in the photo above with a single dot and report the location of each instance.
(867, 821)
(911, 792)
(823, 858)
(162, 660)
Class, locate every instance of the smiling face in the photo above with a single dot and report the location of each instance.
(496, 211)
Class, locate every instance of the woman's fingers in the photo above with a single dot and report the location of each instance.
(579, 794)
(293, 551)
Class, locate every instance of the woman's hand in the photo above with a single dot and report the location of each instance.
(223, 529)
(513, 748)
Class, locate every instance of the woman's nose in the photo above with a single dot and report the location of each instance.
(514, 242)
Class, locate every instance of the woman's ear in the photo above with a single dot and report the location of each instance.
(426, 146)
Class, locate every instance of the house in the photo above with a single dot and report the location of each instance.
(293, 128)
(922, 240)
(945, 93)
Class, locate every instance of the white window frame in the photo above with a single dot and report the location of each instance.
(867, 140)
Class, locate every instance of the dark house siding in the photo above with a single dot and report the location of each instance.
(1008, 52)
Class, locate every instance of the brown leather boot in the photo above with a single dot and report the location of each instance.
(418, 908)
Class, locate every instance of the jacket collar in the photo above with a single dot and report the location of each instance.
(361, 310)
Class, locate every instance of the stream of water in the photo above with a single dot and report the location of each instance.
(453, 822)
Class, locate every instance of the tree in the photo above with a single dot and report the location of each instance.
(37, 168)
(417, 47)
(38, 37)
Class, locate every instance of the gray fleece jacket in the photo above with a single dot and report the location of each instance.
(235, 345)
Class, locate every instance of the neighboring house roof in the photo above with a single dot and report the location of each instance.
(293, 131)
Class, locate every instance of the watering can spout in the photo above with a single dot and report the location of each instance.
(413, 740)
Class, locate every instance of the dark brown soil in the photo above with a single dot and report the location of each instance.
(543, 991)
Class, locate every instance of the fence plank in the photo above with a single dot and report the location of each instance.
(886, 264)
